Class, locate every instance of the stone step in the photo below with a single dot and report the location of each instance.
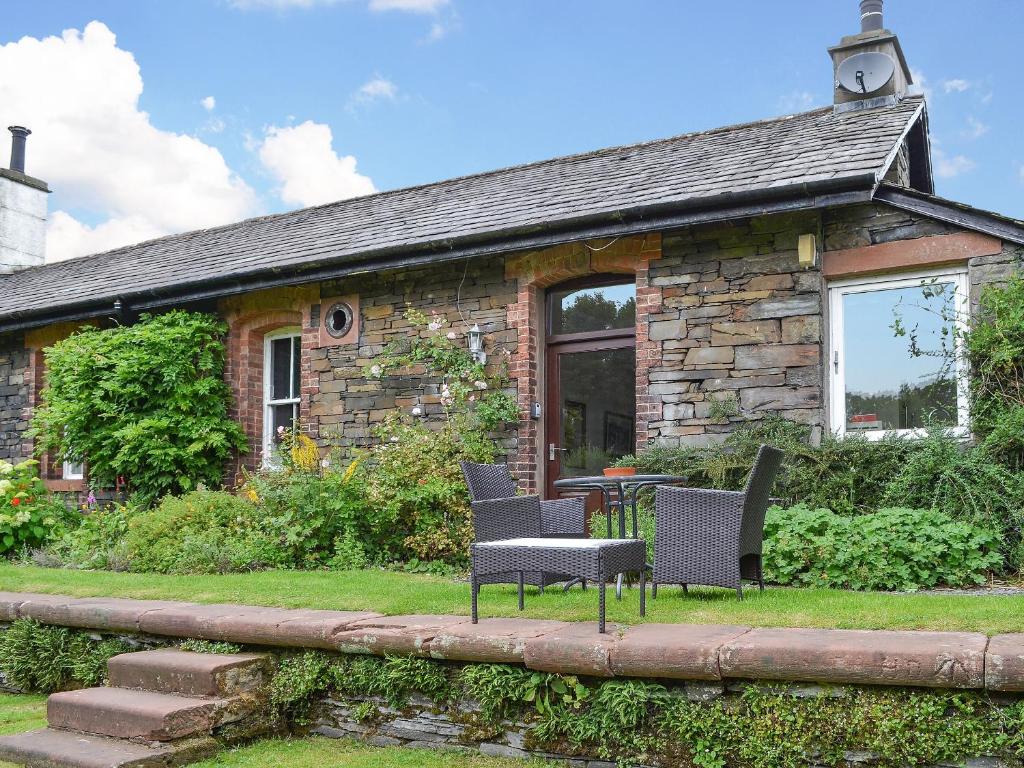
(125, 713)
(48, 748)
(188, 673)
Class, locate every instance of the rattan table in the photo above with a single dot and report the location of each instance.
(615, 491)
(594, 559)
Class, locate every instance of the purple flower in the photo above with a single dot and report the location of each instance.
(90, 499)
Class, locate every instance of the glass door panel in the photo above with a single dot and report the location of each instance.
(596, 409)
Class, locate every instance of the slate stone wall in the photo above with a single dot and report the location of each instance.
(347, 404)
(743, 328)
(740, 329)
(14, 397)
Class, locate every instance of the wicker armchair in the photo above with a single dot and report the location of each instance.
(713, 537)
(498, 513)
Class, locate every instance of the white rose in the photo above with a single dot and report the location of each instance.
(480, 384)
(451, 335)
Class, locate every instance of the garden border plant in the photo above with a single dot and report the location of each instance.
(145, 402)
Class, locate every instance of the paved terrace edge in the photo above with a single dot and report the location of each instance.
(966, 660)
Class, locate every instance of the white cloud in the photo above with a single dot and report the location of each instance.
(920, 85)
(956, 85)
(411, 6)
(796, 101)
(377, 88)
(947, 167)
(1022, 174)
(80, 95)
(209, 103)
(302, 159)
(975, 128)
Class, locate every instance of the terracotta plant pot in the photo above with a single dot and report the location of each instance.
(619, 471)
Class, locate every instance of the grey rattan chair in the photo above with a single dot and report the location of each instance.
(713, 537)
(498, 513)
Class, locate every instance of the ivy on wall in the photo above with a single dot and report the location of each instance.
(145, 402)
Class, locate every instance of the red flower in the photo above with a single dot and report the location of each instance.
(15, 501)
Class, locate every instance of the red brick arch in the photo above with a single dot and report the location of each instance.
(534, 271)
(250, 318)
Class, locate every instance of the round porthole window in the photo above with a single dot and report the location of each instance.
(338, 319)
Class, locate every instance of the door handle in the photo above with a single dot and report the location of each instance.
(551, 451)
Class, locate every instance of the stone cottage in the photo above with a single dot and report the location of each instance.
(661, 292)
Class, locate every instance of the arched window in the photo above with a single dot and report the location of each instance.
(281, 386)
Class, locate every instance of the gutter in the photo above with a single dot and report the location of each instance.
(641, 220)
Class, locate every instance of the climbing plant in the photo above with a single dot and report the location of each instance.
(144, 402)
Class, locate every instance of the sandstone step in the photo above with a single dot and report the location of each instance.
(188, 673)
(48, 748)
(130, 714)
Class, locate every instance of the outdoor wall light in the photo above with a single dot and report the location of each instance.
(807, 251)
(476, 344)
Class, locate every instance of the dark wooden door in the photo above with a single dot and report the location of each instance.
(590, 379)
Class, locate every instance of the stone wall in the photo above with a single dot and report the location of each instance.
(345, 404)
(14, 397)
(701, 664)
(740, 329)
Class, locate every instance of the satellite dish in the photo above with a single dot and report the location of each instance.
(866, 72)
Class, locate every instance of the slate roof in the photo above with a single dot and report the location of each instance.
(798, 152)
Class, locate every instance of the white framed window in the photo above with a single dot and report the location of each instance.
(282, 361)
(73, 470)
(894, 356)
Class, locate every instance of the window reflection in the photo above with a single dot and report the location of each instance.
(600, 308)
(899, 346)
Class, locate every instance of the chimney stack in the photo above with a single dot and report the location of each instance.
(871, 15)
(869, 69)
(19, 135)
(22, 210)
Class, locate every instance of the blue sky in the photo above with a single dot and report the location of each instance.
(413, 91)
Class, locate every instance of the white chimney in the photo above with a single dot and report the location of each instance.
(22, 210)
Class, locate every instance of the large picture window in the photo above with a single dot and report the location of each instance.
(281, 386)
(894, 358)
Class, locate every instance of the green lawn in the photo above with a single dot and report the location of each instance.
(25, 713)
(399, 593)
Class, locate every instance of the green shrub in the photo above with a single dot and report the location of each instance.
(324, 518)
(995, 350)
(297, 680)
(201, 532)
(391, 678)
(39, 658)
(96, 542)
(147, 402)
(901, 549)
(29, 517)
(963, 481)
(415, 480)
(846, 475)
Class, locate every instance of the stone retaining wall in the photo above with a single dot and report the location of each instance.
(709, 652)
(706, 665)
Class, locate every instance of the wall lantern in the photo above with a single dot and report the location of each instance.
(476, 344)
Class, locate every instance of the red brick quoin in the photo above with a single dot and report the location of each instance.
(250, 318)
(535, 271)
